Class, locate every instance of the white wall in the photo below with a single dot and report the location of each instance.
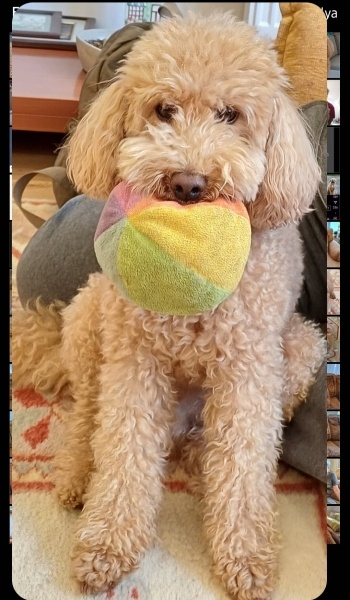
(205, 8)
(112, 14)
(265, 16)
(334, 95)
(107, 14)
(335, 463)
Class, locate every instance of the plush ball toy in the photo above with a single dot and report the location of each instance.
(171, 258)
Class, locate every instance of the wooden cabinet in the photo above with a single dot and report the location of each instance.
(46, 87)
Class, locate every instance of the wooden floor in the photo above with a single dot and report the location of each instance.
(32, 151)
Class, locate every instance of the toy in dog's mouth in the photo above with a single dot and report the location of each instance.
(170, 257)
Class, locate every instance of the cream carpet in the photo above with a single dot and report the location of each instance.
(178, 567)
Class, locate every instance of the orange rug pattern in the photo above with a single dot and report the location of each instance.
(38, 429)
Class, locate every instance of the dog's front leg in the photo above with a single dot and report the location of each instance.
(130, 443)
(242, 420)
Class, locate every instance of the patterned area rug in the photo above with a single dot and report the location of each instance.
(178, 566)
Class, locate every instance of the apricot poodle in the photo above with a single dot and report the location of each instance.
(199, 108)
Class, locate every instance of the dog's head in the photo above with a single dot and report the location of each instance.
(199, 109)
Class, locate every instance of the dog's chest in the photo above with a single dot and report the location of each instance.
(186, 344)
(191, 345)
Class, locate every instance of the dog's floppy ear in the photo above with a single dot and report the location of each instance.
(292, 173)
(93, 145)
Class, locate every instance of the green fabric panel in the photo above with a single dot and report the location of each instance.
(212, 240)
(156, 281)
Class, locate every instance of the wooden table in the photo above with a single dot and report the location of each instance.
(46, 87)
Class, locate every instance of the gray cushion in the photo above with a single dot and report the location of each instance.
(60, 256)
(335, 63)
(304, 441)
(313, 226)
(337, 41)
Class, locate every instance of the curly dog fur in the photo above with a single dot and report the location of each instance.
(169, 111)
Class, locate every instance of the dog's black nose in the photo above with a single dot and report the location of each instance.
(188, 187)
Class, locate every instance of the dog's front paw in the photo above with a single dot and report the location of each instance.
(97, 570)
(248, 579)
(70, 489)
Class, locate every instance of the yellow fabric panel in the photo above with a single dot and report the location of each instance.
(211, 240)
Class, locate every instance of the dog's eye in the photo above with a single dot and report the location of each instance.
(227, 114)
(165, 111)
